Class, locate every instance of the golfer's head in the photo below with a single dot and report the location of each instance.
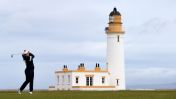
(26, 52)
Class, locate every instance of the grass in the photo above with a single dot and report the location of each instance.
(90, 95)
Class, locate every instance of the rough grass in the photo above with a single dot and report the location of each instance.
(90, 95)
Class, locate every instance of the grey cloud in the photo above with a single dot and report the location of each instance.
(150, 54)
(151, 78)
(153, 41)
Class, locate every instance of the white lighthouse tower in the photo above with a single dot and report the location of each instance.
(115, 50)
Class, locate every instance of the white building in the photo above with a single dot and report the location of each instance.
(113, 78)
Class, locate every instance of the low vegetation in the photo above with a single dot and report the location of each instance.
(90, 95)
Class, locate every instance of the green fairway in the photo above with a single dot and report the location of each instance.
(90, 95)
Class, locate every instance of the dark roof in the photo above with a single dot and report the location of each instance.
(115, 12)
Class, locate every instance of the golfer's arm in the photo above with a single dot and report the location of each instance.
(31, 56)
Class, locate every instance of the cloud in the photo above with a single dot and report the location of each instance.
(152, 40)
(151, 77)
(150, 54)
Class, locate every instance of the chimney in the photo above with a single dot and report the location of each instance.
(65, 69)
(97, 67)
(81, 67)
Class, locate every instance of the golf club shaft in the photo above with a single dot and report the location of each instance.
(16, 54)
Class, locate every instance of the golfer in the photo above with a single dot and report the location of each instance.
(29, 71)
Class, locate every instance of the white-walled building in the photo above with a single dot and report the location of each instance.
(82, 79)
(113, 78)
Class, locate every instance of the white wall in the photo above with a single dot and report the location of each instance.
(115, 60)
(64, 84)
(97, 80)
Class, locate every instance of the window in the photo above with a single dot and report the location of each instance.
(111, 19)
(103, 80)
(63, 80)
(89, 81)
(117, 82)
(118, 38)
(68, 79)
(58, 79)
(77, 80)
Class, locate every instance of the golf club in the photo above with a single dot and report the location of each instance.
(15, 54)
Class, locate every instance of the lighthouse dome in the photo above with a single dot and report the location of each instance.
(115, 12)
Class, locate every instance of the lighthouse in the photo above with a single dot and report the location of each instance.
(115, 50)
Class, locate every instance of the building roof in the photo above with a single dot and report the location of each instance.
(85, 71)
(81, 68)
(115, 12)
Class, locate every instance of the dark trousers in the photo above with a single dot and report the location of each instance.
(29, 79)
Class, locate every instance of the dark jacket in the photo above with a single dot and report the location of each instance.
(28, 60)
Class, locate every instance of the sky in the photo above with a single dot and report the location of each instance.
(65, 32)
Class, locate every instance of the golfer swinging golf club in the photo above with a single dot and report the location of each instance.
(29, 71)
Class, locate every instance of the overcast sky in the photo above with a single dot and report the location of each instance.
(69, 32)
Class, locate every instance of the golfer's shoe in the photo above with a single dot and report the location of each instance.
(30, 92)
(19, 92)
